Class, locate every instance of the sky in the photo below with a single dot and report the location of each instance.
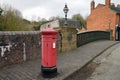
(38, 9)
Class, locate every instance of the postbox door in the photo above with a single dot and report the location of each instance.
(51, 54)
(45, 54)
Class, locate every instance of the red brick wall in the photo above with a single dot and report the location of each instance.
(98, 19)
(118, 19)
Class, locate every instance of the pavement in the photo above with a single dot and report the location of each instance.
(109, 65)
(67, 63)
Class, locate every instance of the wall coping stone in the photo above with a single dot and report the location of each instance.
(18, 32)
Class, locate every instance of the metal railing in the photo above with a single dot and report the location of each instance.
(90, 36)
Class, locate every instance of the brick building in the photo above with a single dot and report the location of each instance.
(104, 17)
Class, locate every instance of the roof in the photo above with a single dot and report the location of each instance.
(70, 23)
(116, 9)
(61, 23)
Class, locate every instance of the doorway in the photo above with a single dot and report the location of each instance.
(117, 33)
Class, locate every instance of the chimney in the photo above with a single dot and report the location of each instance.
(92, 5)
(108, 3)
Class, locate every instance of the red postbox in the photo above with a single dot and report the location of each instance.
(49, 51)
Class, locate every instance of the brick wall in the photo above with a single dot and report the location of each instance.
(17, 47)
(98, 19)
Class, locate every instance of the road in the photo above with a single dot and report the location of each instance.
(104, 67)
(109, 68)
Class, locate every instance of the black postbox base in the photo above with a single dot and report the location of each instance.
(49, 72)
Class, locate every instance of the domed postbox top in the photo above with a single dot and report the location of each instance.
(49, 31)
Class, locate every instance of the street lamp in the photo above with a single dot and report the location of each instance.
(65, 11)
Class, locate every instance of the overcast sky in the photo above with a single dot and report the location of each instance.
(32, 9)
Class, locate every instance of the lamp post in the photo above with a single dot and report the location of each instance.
(65, 11)
(109, 22)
